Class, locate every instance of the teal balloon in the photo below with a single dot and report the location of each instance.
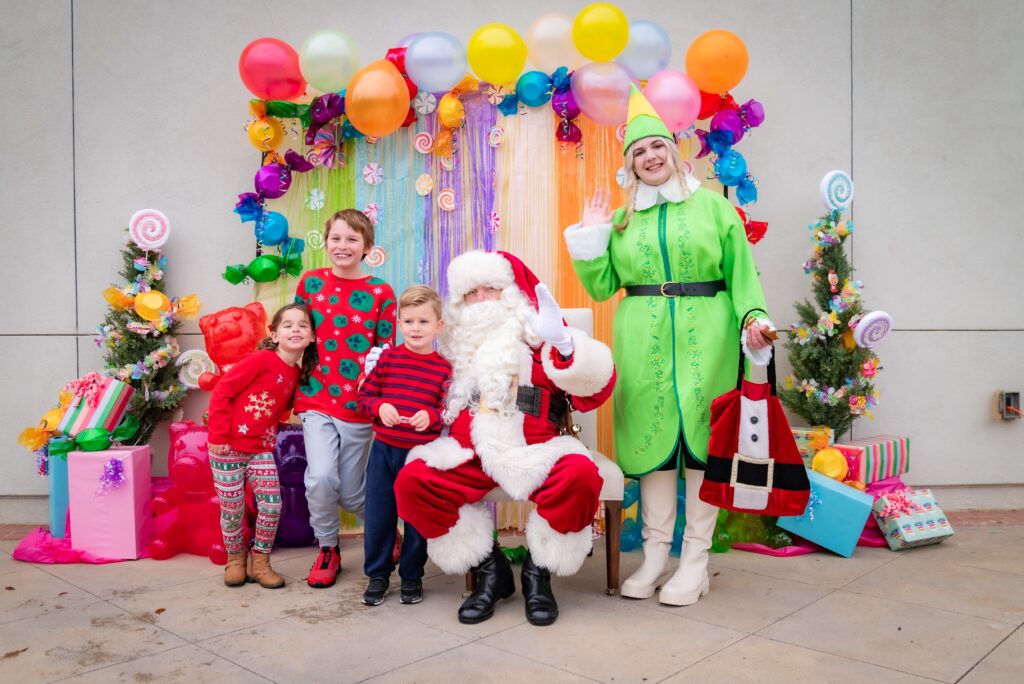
(273, 230)
(534, 88)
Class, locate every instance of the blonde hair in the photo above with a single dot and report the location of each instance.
(417, 295)
(675, 160)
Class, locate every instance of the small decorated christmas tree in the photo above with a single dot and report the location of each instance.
(830, 348)
(137, 334)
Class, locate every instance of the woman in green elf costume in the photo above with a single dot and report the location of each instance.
(692, 297)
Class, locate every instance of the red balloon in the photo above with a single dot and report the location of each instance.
(270, 70)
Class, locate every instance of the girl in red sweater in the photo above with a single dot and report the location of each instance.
(245, 408)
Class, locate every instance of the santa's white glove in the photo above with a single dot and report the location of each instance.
(548, 323)
(372, 356)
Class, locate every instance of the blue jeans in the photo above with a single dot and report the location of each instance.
(381, 519)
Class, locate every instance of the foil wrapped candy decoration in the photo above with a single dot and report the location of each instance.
(396, 56)
(321, 112)
(265, 268)
(451, 114)
(564, 104)
(93, 439)
(755, 229)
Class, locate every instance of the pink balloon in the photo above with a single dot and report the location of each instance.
(675, 97)
(601, 90)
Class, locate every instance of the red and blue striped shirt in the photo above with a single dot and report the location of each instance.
(411, 383)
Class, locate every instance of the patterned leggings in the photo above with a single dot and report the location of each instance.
(230, 472)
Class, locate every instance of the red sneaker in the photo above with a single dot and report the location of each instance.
(325, 567)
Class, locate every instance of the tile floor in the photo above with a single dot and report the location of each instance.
(948, 613)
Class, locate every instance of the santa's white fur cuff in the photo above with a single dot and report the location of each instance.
(758, 357)
(444, 453)
(466, 544)
(562, 554)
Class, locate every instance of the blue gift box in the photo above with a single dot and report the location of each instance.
(57, 471)
(834, 517)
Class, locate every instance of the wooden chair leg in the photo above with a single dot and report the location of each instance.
(612, 537)
(470, 582)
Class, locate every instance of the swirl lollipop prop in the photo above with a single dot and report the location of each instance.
(446, 199)
(376, 257)
(193, 363)
(423, 142)
(837, 190)
(149, 229)
(872, 328)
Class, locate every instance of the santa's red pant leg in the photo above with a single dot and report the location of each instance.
(442, 505)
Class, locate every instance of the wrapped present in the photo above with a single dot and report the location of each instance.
(875, 458)
(809, 440)
(910, 517)
(110, 495)
(99, 402)
(57, 472)
(834, 517)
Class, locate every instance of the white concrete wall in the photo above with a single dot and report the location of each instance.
(112, 106)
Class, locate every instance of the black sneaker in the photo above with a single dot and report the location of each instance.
(412, 591)
(376, 591)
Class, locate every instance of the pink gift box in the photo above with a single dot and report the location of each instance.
(116, 523)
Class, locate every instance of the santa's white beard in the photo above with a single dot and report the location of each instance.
(484, 345)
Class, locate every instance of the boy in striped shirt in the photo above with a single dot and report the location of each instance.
(404, 394)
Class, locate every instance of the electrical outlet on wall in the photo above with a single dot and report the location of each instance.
(1009, 405)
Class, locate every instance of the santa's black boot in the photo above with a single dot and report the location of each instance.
(541, 608)
(494, 581)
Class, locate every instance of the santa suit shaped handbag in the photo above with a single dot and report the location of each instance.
(753, 462)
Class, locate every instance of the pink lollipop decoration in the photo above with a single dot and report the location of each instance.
(422, 142)
(620, 132)
(446, 199)
(372, 212)
(496, 136)
(376, 257)
(871, 328)
(448, 162)
(372, 173)
(149, 229)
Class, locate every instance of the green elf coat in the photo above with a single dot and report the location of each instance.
(673, 356)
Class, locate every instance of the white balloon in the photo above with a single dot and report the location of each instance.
(436, 61)
(648, 50)
(328, 60)
(549, 43)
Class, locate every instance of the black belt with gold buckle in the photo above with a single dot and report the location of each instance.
(706, 289)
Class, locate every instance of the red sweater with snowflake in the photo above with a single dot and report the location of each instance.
(411, 383)
(349, 316)
(249, 400)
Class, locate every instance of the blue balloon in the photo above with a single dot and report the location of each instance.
(631, 493)
(731, 168)
(273, 230)
(534, 88)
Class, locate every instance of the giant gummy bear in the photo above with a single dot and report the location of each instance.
(186, 506)
(230, 334)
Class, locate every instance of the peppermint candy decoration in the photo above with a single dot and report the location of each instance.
(448, 162)
(446, 199)
(493, 222)
(837, 190)
(315, 239)
(620, 133)
(376, 257)
(372, 212)
(424, 184)
(315, 199)
(372, 174)
(872, 328)
(422, 142)
(149, 229)
(495, 94)
(424, 103)
(496, 137)
(193, 363)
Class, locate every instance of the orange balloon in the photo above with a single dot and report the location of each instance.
(377, 99)
(717, 61)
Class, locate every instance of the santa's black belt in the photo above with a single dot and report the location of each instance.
(529, 400)
(708, 288)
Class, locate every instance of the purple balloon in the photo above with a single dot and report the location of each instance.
(565, 105)
(273, 180)
(728, 120)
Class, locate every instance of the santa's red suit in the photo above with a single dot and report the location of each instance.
(519, 445)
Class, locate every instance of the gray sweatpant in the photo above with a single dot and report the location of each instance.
(336, 456)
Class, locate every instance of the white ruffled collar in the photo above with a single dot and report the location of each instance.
(670, 191)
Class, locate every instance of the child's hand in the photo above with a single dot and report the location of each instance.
(420, 421)
(218, 449)
(389, 415)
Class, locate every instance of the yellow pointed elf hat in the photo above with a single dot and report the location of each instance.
(642, 121)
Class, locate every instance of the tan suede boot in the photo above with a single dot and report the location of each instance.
(262, 572)
(234, 571)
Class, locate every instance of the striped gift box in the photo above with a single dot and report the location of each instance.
(875, 458)
(111, 404)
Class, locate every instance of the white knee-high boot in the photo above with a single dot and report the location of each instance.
(658, 509)
(690, 581)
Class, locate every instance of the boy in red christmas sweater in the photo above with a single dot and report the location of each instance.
(352, 312)
(405, 393)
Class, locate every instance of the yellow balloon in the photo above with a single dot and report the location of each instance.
(496, 53)
(150, 306)
(600, 31)
(265, 133)
(831, 463)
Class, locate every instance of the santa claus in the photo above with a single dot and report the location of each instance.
(517, 372)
